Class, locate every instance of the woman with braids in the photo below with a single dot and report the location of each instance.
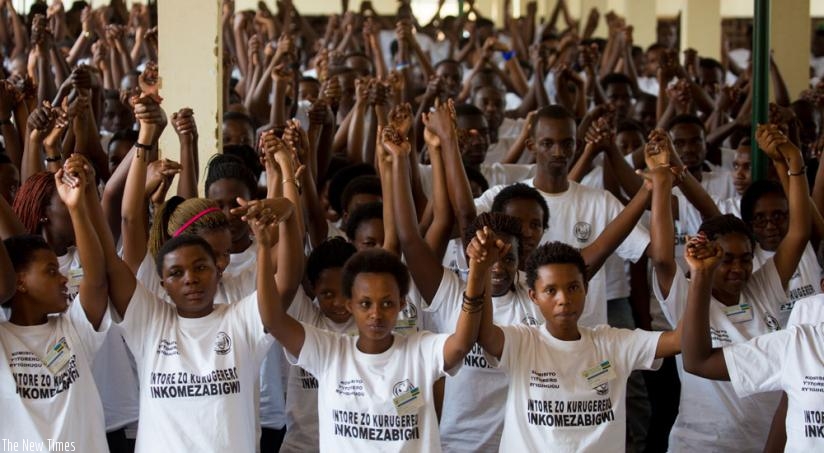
(227, 179)
(41, 211)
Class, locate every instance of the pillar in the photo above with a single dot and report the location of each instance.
(191, 72)
(641, 15)
(701, 27)
(790, 39)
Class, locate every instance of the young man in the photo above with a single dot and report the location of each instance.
(567, 382)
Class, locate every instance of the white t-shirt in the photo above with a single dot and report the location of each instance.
(198, 376)
(302, 388)
(648, 85)
(551, 403)
(113, 366)
(805, 281)
(809, 310)
(472, 416)
(62, 403)
(498, 150)
(357, 391)
(495, 174)
(241, 262)
(616, 270)
(731, 205)
(711, 417)
(576, 217)
(791, 360)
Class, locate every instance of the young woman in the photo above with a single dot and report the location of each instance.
(49, 342)
(196, 358)
(567, 383)
(788, 360)
(744, 305)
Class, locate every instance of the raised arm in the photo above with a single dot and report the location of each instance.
(133, 209)
(662, 234)
(184, 125)
(264, 219)
(795, 241)
(700, 358)
(424, 266)
(483, 251)
(71, 186)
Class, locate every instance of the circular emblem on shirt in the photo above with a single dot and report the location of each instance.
(530, 320)
(771, 322)
(602, 389)
(582, 231)
(223, 344)
(409, 311)
(402, 387)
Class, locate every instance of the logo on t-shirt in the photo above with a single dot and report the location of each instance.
(602, 389)
(530, 320)
(771, 322)
(582, 231)
(402, 387)
(223, 343)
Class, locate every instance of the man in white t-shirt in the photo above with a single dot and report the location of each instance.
(788, 360)
(567, 383)
(577, 214)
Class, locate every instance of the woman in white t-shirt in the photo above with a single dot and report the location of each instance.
(567, 383)
(374, 388)
(788, 360)
(47, 392)
(198, 362)
(744, 305)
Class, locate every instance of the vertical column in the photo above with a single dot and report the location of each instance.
(701, 27)
(790, 39)
(191, 71)
(641, 14)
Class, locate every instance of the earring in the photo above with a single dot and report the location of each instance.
(43, 219)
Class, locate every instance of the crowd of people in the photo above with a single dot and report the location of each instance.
(417, 237)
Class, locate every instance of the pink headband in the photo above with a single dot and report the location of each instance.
(193, 220)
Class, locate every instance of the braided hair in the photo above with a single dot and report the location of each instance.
(176, 211)
(33, 199)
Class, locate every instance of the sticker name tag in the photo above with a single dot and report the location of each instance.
(75, 275)
(739, 313)
(599, 374)
(58, 356)
(409, 402)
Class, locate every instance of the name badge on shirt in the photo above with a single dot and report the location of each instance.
(75, 275)
(599, 374)
(739, 313)
(58, 356)
(408, 402)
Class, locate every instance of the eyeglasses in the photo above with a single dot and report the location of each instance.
(776, 218)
